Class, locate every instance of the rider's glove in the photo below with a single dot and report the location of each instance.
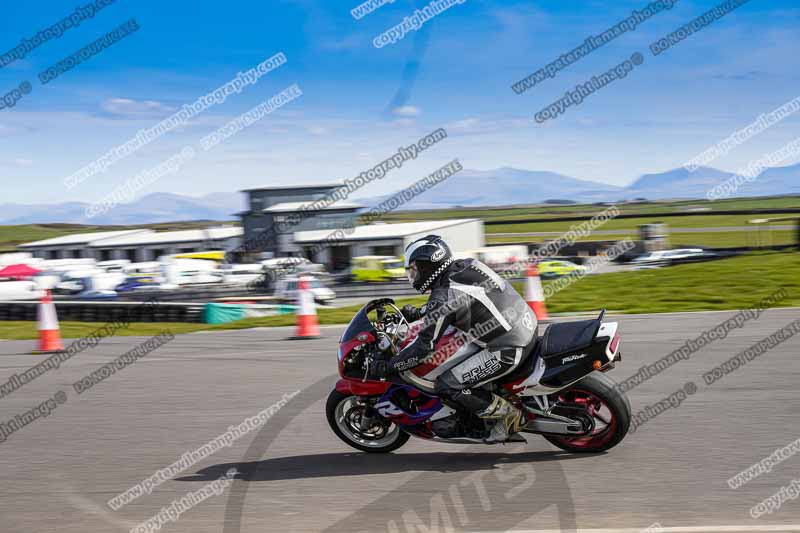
(411, 313)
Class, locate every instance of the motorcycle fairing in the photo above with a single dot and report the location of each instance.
(397, 401)
(362, 388)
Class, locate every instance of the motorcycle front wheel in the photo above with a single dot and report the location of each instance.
(345, 413)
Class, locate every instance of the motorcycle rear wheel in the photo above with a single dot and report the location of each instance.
(608, 406)
(343, 415)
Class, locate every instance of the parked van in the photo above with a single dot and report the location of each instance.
(179, 272)
(211, 255)
(286, 289)
(148, 268)
(377, 268)
(497, 256)
(241, 274)
(19, 290)
(79, 281)
(293, 264)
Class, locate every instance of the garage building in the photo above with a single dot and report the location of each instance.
(135, 245)
(385, 239)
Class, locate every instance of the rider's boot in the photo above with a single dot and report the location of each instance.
(505, 421)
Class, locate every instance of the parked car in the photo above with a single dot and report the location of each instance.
(669, 257)
(70, 285)
(286, 289)
(73, 281)
(133, 283)
(117, 265)
(377, 268)
(497, 257)
(147, 268)
(555, 269)
(293, 265)
(97, 294)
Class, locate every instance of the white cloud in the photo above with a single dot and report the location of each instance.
(18, 162)
(351, 42)
(407, 111)
(6, 130)
(318, 130)
(477, 126)
(125, 107)
(467, 125)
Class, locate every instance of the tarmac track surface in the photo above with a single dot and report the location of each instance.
(294, 475)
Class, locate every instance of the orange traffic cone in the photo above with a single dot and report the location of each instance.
(534, 294)
(49, 332)
(307, 325)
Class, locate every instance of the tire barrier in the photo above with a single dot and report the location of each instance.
(107, 311)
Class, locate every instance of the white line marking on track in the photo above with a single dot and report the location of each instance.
(82, 503)
(675, 529)
(689, 313)
(88, 506)
(593, 314)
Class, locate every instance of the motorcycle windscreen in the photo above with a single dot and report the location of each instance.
(359, 324)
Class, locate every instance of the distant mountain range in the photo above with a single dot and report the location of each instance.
(509, 186)
(506, 186)
(149, 209)
(468, 188)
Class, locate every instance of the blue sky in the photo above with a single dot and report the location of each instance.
(455, 73)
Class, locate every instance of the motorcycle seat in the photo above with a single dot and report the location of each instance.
(558, 338)
(568, 337)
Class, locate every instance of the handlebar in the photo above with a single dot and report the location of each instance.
(386, 334)
(382, 316)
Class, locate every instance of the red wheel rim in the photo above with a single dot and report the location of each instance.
(604, 418)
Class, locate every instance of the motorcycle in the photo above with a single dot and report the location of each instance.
(560, 385)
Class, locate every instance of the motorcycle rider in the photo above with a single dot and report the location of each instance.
(466, 294)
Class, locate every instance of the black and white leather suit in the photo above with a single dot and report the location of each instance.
(471, 297)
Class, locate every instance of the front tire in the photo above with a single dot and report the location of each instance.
(608, 406)
(344, 413)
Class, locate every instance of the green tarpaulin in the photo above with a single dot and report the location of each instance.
(222, 313)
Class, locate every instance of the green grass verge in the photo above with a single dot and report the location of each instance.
(544, 211)
(728, 239)
(735, 283)
(497, 239)
(688, 221)
(711, 239)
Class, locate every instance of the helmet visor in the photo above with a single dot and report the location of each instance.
(412, 273)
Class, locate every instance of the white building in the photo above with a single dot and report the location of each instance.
(266, 206)
(385, 239)
(75, 246)
(151, 246)
(325, 218)
(135, 245)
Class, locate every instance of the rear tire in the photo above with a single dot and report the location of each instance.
(602, 387)
(339, 411)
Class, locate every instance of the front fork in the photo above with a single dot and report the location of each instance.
(370, 416)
